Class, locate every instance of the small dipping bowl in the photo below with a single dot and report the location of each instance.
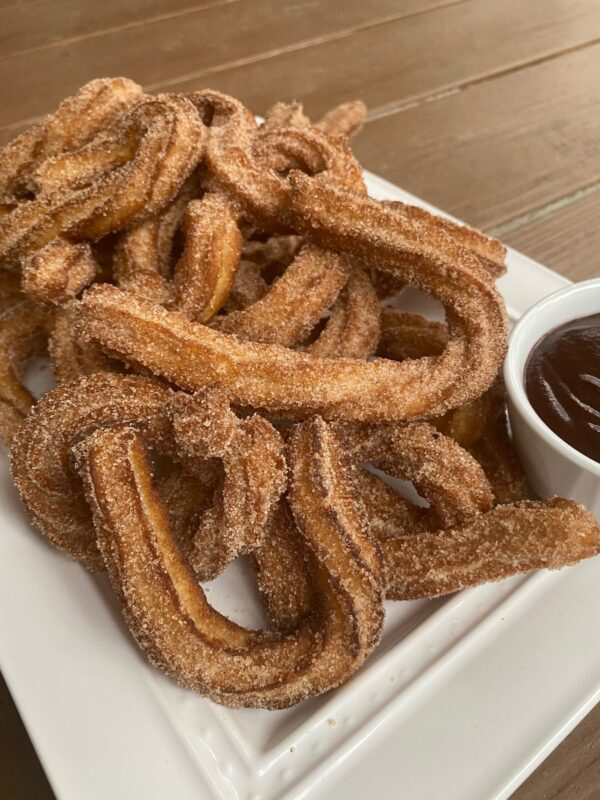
(552, 466)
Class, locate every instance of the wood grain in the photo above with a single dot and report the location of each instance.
(572, 771)
(21, 776)
(43, 23)
(159, 53)
(566, 239)
(409, 59)
(498, 148)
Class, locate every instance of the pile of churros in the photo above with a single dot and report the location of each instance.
(216, 299)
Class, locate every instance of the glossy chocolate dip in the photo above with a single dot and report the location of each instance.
(562, 382)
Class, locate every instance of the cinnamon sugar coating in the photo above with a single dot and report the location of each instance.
(289, 310)
(59, 271)
(230, 385)
(277, 379)
(254, 477)
(510, 539)
(169, 615)
(22, 336)
(76, 121)
(143, 162)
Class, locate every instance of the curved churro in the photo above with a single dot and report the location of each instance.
(204, 274)
(481, 425)
(77, 120)
(161, 597)
(22, 335)
(142, 260)
(59, 271)
(40, 460)
(352, 330)
(266, 376)
(296, 301)
(510, 539)
(490, 252)
(441, 471)
(255, 477)
(116, 180)
(244, 160)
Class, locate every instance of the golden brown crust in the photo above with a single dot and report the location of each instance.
(491, 252)
(352, 330)
(480, 425)
(119, 178)
(70, 357)
(249, 265)
(266, 376)
(510, 539)
(344, 120)
(168, 613)
(142, 260)
(40, 460)
(59, 271)
(22, 336)
(205, 272)
(289, 310)
(77, 120)
(253, 481)
(441, 471)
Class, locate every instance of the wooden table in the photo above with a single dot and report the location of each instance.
(488, 108)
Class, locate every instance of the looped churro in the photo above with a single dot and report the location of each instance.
(244, 159)
(112, 182)
(478, 543)
(59, 271)
(295, 303)
(40, 455)
(266, 376)
(481, 425)
(441, 471)
(237, 269)
(77, 120)
(213, 655)
(255, 477)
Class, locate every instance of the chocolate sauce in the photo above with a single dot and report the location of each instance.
(562, 381)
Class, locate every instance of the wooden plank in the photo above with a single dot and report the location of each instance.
(21, 776)
(409, 59)
(494, 150)
(158, 53)
(572, 770)
(41, 23)
(16, 5)
(566, 239)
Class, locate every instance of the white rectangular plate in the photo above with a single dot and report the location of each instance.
(464, 697)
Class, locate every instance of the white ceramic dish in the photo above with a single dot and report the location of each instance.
(460, 702)
(552, 466)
